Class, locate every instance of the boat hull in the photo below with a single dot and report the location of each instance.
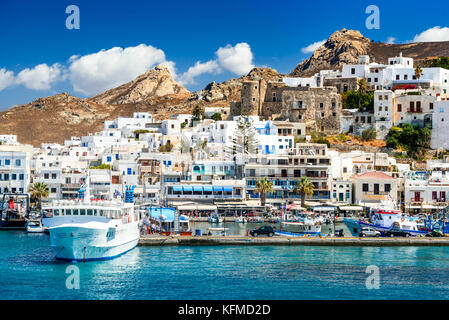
(78, 243)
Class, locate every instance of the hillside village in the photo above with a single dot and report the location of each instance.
(257, 153)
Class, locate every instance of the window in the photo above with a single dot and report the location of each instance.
(18, 162)
(365, 187)
(399, 107)
(352, 70)
(53, 175)
(46, 175)
(7, 162)
(14, 176)
(387, 187)
(431, 106)
(397, 77)
(405, 77)
(380, 108)
(53, 190)
(321, 105)
(380, 97)
(21, 176)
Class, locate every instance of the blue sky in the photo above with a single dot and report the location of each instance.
(179, 34)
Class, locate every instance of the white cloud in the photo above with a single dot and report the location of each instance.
(433, 34)
(237, 59)
(6, 78)
(199, 68)
(391, 40)
(106, 69)
(41, 77)
(312, 47)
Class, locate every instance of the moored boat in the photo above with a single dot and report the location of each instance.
(84, 229)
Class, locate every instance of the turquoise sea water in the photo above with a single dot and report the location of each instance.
(28, 271)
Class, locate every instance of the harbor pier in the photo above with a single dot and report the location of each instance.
(288, 241)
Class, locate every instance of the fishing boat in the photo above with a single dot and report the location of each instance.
(34, 226)
(384, 218)
(86, 229)
(167, 222)
(14, 209)
(305, 223)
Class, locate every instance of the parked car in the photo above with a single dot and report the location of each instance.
(395, 232)
(262, 231)
(369, 232)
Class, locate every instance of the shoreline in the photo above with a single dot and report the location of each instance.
(287, 241)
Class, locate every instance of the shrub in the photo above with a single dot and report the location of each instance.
(369, 134)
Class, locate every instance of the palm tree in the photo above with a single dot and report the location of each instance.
(304, 187)
(38, 191)
(418, 74)
(263, 187)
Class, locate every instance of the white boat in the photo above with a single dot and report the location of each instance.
(215, 218)
(240, 220)
(217, 231)
(84, 230)
(34, 226)
(306, 224)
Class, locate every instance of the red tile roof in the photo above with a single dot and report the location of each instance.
(374, 175)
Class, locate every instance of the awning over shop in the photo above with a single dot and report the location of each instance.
(197, 207)
(200, 189)
(208, 188)
(227, 189)
(218, 189)
(350, 208)
(187, 188)
(177, 188)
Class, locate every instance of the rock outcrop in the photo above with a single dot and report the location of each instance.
(345, 46)
(156, 82)
(342, 47)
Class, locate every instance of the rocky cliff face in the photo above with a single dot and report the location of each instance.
(342, 47)
(156, 82)
(345, 46)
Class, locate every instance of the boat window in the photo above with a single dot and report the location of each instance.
(108, 214)
(64, 212)
(82, 212)
(101, 213)
(56, 212)
(75, 212)
(90, 212)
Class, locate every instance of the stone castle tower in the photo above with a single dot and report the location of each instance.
(253, 94)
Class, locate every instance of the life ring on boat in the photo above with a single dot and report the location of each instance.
(402, 219)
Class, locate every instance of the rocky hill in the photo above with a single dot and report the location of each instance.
(344, 47)
(57, 118)
(157, 82)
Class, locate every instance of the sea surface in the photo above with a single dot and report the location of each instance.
(29, 271)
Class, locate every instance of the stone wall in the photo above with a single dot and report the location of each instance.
(342, 84)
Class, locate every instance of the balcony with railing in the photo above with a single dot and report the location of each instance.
(416, 200)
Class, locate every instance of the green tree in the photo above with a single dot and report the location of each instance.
(38, 191)
(411, 138)
(197, 114)
(263, 187)
(305, 188)
(216, 116)
(245, 141)
(352, 100)
(362, 88)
